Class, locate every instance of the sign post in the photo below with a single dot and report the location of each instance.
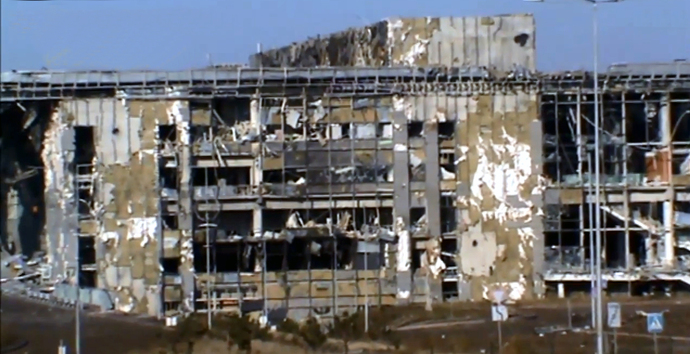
(499, 313)
(614, 321)
(655, 325)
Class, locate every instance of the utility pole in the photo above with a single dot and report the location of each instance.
(597, 173)
(597, 178)
(366, 288)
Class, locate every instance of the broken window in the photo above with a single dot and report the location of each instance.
(228, 112)
(448, 215)
(167, 133)
(170, 265)
(415, 129)
(446, 131)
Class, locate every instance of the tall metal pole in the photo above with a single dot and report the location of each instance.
(77, 307)
(597, 171)
(590, 225)
(209, 309)
(366, 288)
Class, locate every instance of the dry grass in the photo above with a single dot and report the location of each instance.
(104, 335)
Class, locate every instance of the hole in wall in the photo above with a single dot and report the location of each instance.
(521, 39)
(21, 167)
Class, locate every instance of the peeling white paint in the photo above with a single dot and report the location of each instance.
(110, 236)
(417, 50)
(400, 148)
(400, 104)
(514, 291)
(527, 238)
(57, 180)
(187, 250)
(404, 258)
(142, 228)
(394, 25)
(504, 175)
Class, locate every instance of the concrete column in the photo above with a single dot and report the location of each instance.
(537, 223)
(61, 215)
(668, 212)
(432, 178)
(14, 210)
(257, 166)
(401, 201)
(462, 190)
(185, 217)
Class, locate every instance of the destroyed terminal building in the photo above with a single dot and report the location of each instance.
(414, 160)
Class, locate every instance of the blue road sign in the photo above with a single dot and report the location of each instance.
(655, 322)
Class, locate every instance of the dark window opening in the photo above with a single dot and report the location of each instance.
(87, 250)
(168, 177)
(450, 289)
(170, 222)
(230, 111)
(415, 129)
(167, 132)
(225, 257)
(446, 130)
(88, 279)
(416, 214)
(171, 265)
(84, 155)
(291, 175)
(84, 147)
(448, 215)
(276, 256)
(231, 176)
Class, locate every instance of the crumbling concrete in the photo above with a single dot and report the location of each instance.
(231, 190)
(502, 43)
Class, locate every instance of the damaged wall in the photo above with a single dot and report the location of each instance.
(22, 203)
(496, 158)
(503, 43)
(124, 218)
(445, 177)
(645, 142)
(61, 215)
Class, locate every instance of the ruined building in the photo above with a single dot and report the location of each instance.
(435, 163)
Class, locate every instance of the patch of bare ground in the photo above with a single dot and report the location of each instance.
(448, 328)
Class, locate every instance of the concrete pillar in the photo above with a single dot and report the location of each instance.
(432, 178)
(668, 212)
(185, 216)
(61, 215)
(257, 167)
(14, 210)
(401, 200)
(537, 223)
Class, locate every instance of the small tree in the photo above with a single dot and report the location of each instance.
(347, 328)
(312, 334)
(188, 331)
(239, 331)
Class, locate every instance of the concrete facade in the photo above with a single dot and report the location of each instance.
(310, 190)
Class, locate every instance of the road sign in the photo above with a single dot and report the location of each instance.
(655, 322)
(499, 313)
(614, 315)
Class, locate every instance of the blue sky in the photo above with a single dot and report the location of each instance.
(179, 34)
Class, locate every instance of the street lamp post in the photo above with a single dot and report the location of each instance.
(597, 172)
